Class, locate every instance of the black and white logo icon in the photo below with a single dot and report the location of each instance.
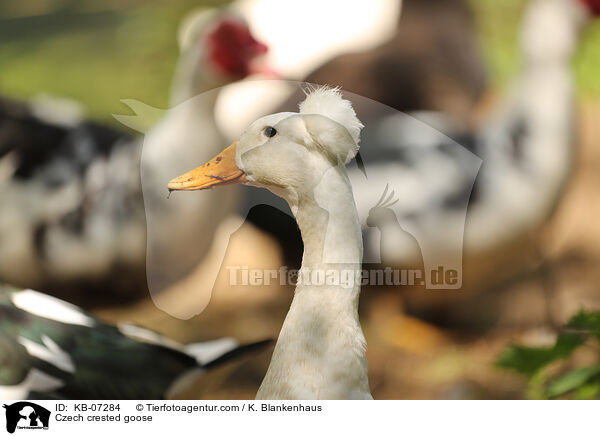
(26, 415)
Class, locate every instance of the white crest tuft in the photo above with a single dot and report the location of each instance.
(330, 103)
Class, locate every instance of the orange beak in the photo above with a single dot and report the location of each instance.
(221, 170)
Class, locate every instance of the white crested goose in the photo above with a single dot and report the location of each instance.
(416, 55)
(481, 187)
(301, 157)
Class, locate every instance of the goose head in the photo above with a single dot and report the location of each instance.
(217, 48)
(287, 153)
(224, 41)
(231, 49)
(592, 6)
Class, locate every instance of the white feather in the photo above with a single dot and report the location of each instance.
(144, 335)
(49, 352)
(205, 352)
(50, 308)
(36, 381)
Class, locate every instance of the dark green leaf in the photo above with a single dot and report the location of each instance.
(589, 391)
(586, 321)
(529, 360)
(573, 380)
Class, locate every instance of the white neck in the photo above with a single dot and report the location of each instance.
(192, 76)
(188, 131)
(320, 353)
(543, 103)
(548, 40)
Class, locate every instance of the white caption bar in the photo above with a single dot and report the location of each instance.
(299, 417)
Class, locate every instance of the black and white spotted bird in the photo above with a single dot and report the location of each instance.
(510, 168)
(51, 349)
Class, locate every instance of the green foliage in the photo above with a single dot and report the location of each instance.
(498, 25)
(529, 360)
(583, 329)
(572, 380)
(588, 322)
(96, 53)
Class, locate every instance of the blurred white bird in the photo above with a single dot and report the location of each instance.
(336, 27)
(510, 170)
(432, 61)
(71, 209)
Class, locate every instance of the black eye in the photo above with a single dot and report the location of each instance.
(270, 132)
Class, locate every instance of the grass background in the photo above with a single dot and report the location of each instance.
(100, 52)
